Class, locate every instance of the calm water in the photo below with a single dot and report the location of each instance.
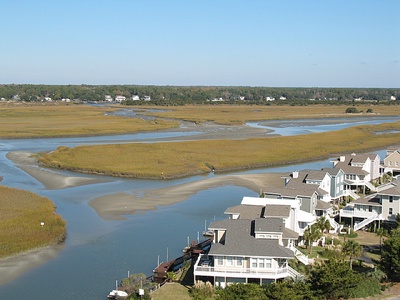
(98, 252)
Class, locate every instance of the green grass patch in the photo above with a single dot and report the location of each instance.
(21, 216)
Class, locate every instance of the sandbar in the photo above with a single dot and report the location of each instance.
(27, 162)
(14, 266)
(116, 205)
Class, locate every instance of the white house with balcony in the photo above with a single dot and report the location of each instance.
(383, 205)
(359, 171)
(247, 251)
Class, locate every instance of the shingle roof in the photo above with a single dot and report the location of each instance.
(246, 211)
(239, 241)
(275, 210)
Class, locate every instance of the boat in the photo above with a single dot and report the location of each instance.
(117, 293)
(208, 233)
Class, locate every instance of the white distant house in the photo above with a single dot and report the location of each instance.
(392, 97)
(47, 99)
(108, 98)
(269, 98)
(119, 98)
(146, 98)
(135, 98)
(282, 98)
(66, 100)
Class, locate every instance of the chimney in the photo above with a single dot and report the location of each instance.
(342, 158)
(295, 174)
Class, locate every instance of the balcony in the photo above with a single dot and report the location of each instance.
(205, 267)
(351, 212)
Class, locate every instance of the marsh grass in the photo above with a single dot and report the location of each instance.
(240, 114)
(179, 159)
(74, 120)
(21, 215)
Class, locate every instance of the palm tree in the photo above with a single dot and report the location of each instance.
(324, 224)
(381, 232)
(352, 249)
(311, 234)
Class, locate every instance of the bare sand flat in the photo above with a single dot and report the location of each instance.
(15, 266)
(114, 206)
(27, 162)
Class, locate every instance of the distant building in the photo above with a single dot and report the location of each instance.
(270, 98)
(108, 98)
(119, 98)
(282, 98)
(146, 98)
(135, 98)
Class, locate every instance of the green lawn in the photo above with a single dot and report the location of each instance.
(172, 291)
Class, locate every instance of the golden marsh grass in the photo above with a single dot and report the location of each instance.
(37, 121)
(239, 114)
(179, 159)
(21, 215)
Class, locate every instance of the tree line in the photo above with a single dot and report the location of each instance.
(180, 95)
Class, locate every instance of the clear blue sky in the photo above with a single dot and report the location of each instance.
(273, 43)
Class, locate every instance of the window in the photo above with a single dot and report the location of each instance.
(220, 261)
(390, 211)
(390, 163)
(261, 263)
(391, 199)
(396, 163)
(229, 261)
(254, 262)
(369, 208)
(268, 263)
(239, 261)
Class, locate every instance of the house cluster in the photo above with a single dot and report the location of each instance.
(121, 98)
(257, 240)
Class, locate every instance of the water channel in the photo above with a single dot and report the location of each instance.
(96, 252)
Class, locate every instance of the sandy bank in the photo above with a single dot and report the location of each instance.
(27, 162)
(15, 266)
(114, 206)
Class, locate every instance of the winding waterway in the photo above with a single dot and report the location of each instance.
(98, 252)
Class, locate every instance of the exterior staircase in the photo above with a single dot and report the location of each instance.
(335, 225)
(300, 256)
(370, 186)
(294, 274)
(365, 222)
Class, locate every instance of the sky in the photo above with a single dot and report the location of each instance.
(269, 43)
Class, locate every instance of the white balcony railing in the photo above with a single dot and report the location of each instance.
(201, 268)
(357, 213)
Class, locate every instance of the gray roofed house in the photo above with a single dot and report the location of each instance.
(247, 250)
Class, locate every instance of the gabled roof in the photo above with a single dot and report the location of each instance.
(321, 205)
(368, 200)
(272, 225)
(246, 211)
(349, 169)
(275, 210)
(240, 241)
(394, 190)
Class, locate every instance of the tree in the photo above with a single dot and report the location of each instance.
(390, 257)
(381, 232)
(351, 110)
(311, 234)
(242, 291)
(289, 289)
(324, 224)
(352, 249)
(333, 279)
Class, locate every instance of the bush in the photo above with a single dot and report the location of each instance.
(202, 291)
(367, 286)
